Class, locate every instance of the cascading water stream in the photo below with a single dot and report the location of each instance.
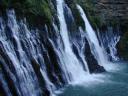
(21, 46)
(109, 40)
(74, 67)
(22, 73)
(93, 40)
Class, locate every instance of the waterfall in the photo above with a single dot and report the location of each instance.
(39, 61)
(22, 49)
(97, 50)
(73, 65)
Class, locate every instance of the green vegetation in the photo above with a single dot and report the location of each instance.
(123, 44)
(37, 12)
(89, 8)
(91, 12)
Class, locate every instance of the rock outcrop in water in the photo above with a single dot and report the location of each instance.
(92, 62)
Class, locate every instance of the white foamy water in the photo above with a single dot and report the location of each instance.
(72, 64)
(97, 50)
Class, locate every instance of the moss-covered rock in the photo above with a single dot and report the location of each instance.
(123, 44)
(89, 9)
(37, 12)
(75, 12)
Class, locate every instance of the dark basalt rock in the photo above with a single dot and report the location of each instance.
(122, 45)
(93, 65)
(9, 79)
(41, 80)
(3, 91)
(54, 65)
(75, 50)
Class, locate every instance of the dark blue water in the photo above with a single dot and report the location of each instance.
(112, 83)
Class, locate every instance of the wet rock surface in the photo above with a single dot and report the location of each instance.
(93, 65)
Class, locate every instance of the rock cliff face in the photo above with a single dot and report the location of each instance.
(112, 11)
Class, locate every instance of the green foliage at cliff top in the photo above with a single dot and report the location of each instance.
(89, 9)
(36, 11)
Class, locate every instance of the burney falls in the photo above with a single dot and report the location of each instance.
(63, 47)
